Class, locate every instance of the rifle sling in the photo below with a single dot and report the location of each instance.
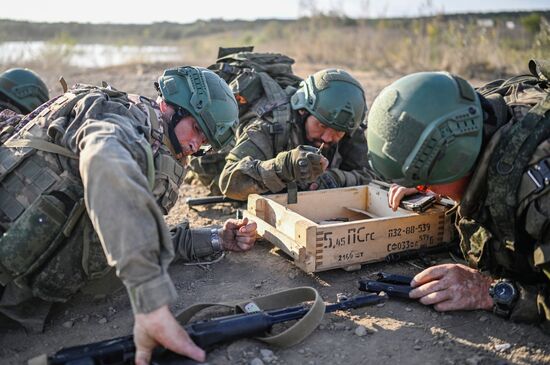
(285, 298)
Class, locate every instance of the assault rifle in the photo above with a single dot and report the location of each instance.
(215, 199)
(206, 334)
(394, 285)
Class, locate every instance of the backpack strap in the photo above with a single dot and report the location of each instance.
(508, 164)
(40, 144)
(282, 299)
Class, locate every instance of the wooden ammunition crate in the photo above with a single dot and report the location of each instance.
(346, 227)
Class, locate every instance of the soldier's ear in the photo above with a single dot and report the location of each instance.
(165, 108)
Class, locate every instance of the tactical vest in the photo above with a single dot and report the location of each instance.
(48, 242)
(491, 214)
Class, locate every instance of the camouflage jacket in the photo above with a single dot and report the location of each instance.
(8, 121)
(523, 257)
(113, 143)
(250, 166)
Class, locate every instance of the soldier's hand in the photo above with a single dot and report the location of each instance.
(159, 327)
(238, 235)
(307, 163)
(326, 180)
(452, 287)
(397, 193)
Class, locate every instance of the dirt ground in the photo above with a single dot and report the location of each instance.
(398, 332)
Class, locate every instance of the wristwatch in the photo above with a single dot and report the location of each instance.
(215, 240)
(505, 295)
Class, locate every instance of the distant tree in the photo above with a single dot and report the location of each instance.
(531, 22)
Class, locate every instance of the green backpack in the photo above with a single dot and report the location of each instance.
(261, 82)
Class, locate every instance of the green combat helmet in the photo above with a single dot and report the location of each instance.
(425, 128)
(206, 96)
(334, 97)
(23, 89)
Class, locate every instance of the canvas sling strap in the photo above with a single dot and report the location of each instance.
(285, 298)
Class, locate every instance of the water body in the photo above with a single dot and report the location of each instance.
(87, 55)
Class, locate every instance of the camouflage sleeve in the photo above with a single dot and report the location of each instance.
(534, 302)
(191, 244)
(8, 122)
(122, 208)
(252, 167)
(353, 168)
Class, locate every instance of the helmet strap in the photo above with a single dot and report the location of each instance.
(179, 114)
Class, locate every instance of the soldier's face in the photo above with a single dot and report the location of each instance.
(318, 133)
(189, 135)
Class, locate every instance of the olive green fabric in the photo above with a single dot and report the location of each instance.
(122, 224)
(502, 219)
(262, 83)
(23, 89)
(291, 336)
(258, 164)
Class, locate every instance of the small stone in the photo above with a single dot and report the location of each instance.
(340, 326)
(68, 324)
(266, 353)
(301, 351)
(256, 361)
(257, 286)
(483, 319)
(292, 275)
(86, 318)
(380, 305)
(102, 320)
(417, 347)
(502, 346)
(408, 309)
(114, 326)
(361, 331)
(322, 327)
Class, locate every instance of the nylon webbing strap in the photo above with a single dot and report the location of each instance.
(41, 145)
(286, 298)
(508, 165)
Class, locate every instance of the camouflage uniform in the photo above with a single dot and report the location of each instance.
(67, 217)
(506, 230)
(250, 166)
(8, 121)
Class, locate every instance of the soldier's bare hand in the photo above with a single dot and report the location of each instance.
(161, 328)
(397, 193)
(452, 287)
(238, 234)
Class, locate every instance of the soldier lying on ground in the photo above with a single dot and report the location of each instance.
(319, 144)
(21, 91)
(84, 184)
(488, 149)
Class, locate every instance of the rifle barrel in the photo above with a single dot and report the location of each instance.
(210, 200)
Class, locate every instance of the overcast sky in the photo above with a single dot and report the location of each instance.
(187, 11)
